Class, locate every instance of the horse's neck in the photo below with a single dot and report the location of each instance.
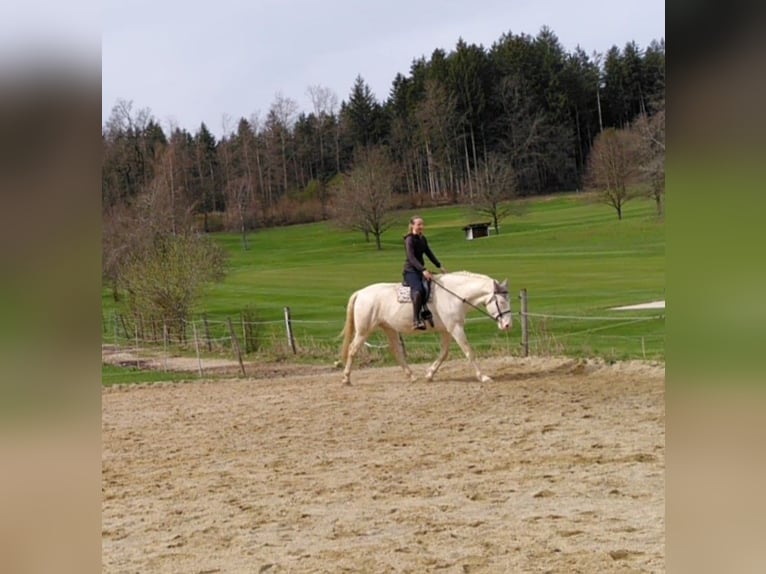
(473, 288)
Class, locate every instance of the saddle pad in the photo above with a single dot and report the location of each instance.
(403, 294)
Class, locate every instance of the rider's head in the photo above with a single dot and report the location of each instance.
(416, 225)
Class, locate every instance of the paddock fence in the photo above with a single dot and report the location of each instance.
(249, 337)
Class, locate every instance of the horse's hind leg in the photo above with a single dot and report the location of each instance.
(440, 359)
(353, 349)
(394, 344)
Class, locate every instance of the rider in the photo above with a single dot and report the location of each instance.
(415, 246)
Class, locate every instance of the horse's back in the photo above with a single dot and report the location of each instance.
(376, 303)
(378, 289)
(375, 293)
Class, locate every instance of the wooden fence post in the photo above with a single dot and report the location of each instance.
(524, 322)
(165, 343)
(196, 347)
(236, 346)
(289, 327)
(207, 333)
(244, 331)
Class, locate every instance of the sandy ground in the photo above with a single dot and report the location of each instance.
(556, 466)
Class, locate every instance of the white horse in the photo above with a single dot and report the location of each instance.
(377, 306)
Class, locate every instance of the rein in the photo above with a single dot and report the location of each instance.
(482, 311)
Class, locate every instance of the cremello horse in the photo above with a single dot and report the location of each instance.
(377, 306)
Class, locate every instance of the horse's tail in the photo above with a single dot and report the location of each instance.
(348, 328)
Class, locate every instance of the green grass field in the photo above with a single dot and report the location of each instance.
(113, 374)
(573, 256)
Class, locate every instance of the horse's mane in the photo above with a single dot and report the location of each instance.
(467, 274)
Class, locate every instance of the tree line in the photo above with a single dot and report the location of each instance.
(525, 99)
(475, 125)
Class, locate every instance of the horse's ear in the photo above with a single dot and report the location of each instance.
(504, 284)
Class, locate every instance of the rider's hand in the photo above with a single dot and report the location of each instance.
(427, 274)
(443, 270)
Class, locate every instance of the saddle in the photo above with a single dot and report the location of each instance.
(403, 294)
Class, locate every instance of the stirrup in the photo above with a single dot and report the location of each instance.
(427, 316)
(419, 325)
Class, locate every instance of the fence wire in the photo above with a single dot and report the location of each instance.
(317, 338)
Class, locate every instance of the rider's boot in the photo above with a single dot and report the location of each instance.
(417, 322)
(427, 315)
(425, 312)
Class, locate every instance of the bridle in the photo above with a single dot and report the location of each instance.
(497, 305)
(496, 317)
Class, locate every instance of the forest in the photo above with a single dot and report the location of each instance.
(524, 103)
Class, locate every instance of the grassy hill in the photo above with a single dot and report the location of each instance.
(573, 256)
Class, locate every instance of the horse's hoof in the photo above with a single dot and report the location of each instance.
(346, 381)
(485, 379)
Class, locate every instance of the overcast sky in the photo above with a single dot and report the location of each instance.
(190, 61)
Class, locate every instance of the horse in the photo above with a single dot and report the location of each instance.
(377, 306)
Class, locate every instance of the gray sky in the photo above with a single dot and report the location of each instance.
(190, 61)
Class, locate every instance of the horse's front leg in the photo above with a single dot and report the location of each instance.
(445, 339)
(396, 349)
(459, 335)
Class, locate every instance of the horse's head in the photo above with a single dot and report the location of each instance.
(499, 306)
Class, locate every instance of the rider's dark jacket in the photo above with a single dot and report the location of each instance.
(415, 247)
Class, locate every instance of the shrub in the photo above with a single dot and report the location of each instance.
(167, 277)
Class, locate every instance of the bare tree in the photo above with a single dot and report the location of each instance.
(651, 134)
(364, 197)
(324, 102)
(162, 208)
(256, 124)
(227, 123)
(495, 185)
(168, 202)
(123, 119)
(435, 117)
(238, 202)
(283, 110)
(166, 278)
(127, 151)
(117, 239)
(152, 254)
(614, 167)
